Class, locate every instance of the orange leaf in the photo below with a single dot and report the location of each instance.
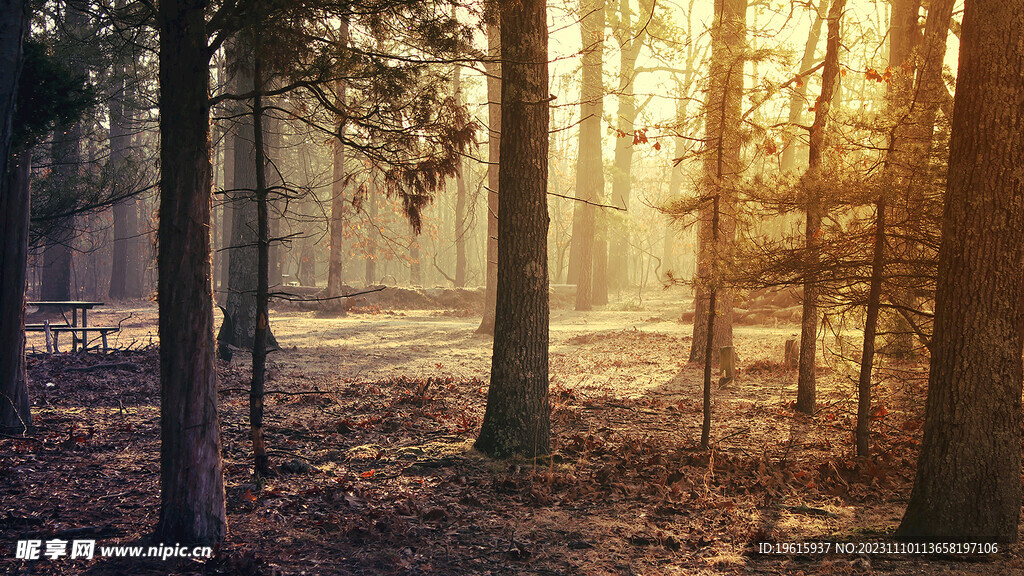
(368, 474)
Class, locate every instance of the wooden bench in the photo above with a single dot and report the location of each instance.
(78, 334)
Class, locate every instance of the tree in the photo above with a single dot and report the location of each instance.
(192, 505)
(798, 99)
(243, 278)
(721, 166)
(460, 198)
(517, 418)
(125, 273)
(630, 37)
(590, 165)
(335, 273)
(811, 185)
(967, 487)
(492, 68)
(14, 212)
(47, 94)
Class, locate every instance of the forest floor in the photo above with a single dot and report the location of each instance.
(374, 472)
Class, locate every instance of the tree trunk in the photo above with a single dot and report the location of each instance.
(124, 282)
(967, 487)
(589, 166)
(15, 414)
(870, 326)
(243, 275)
(709, 349)
(371, 230)
(517, 418)
(811, 187)
(493, 69)
(259, 346)
(460, 199)
(415, 269)
(798, 99)
(336, 261)
(721, 168)
(14, 217)
(191, 475)
(57, 258)
(631, 39)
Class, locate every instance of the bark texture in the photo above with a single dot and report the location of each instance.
(517, 418)
(191, 474)
(968, 484)
(14, 215)
(15, 414)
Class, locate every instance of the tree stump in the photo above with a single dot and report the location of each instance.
(728, 364)
(792, 357)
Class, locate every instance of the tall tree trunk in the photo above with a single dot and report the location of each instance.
(870, 326)
(709, 350)
(191, 474)
(494, 116)
(415, 269)
(721, 168)
(15, 414)
(589, 166)
(227, 199)
(811, 184)
(517, 418)
(13, 26)
(124, 257)
(798, 99)
(371, 230)
(967, 487)
(336, 261)
(57, 259)
(14, 216)
(460, 199)
(259, 346)
(905, 161)
(631, 39)
(243, 274)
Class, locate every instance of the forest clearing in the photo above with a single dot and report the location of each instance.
(645, 287)
(374, 471)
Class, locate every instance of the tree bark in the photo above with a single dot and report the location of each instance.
(15, 413)
(517, 418)
(191, 475)
(14, 216)
(811, 184)
(967, 487)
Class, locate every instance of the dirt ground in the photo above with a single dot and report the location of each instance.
(371, 429)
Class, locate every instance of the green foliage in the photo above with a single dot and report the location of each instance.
(49, 95)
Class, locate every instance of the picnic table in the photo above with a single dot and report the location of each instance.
(79, 333)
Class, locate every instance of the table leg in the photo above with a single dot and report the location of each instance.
(74, 337)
